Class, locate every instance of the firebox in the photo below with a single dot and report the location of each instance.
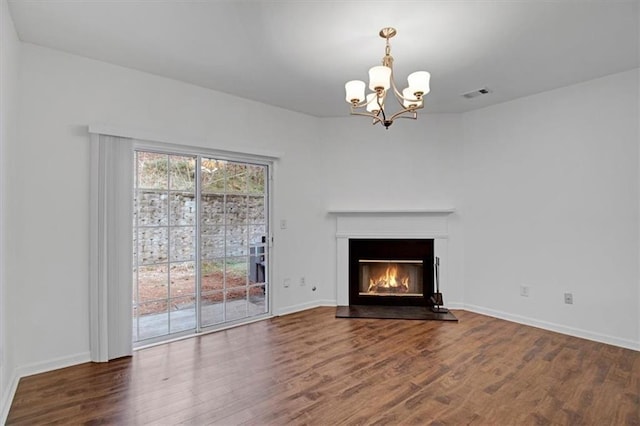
(390, 277)
(391, 272)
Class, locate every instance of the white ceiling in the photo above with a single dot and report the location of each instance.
(298, 54)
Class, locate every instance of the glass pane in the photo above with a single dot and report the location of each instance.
(212, 242)
(152, 170)
(212, 273)
(183, 314)
(183, 243)
(152, 245)
(183, 208)
(257, 265)
(257, 300)
(237, 244)
(236, 178)
(183, 279)
(256, 179)
(236, 209)
(213, 175)
(257, 235)
(182, 173)
(256, 210)
(236, 301)
(152, 308)
(212, 209)
(153, 283)
(152, 208)
(233, 239)
(237, 271)
(212, 308)
(153, 319)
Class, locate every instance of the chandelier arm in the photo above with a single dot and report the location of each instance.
(400, 114)
(395, 90)
(364, 103)
(360, 105)
(375, 117)
(399, 96)
(410, 117)
(381, 110)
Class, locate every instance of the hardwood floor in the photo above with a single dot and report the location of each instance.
(311, 368)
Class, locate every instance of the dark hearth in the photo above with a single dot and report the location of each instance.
(392, 312)
(392, 272)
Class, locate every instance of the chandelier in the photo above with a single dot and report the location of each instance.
(381, 79)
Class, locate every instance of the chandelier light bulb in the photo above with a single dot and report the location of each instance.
(355, 91)
(410, 100)
(379, 78)
(419, 82)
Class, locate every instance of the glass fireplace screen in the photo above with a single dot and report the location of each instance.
(391, 277)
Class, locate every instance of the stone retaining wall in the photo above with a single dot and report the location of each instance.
(229, 223)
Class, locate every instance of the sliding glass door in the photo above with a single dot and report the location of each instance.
(200, 243)
(233, 229)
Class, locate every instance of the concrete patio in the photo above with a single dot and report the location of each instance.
(155, 325)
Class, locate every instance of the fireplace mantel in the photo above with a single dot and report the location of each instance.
(429, 223)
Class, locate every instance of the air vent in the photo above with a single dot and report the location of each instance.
(476, 93)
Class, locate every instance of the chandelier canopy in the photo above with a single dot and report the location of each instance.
(381, 79)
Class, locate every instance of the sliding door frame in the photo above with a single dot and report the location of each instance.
(199, 153)
(110, 248)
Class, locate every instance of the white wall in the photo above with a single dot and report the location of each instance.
(551, 202)
(49, 183)
(413, 164)
(9, 67)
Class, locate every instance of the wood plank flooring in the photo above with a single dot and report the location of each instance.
(311, 368)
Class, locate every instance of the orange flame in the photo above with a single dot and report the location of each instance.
(389, 280)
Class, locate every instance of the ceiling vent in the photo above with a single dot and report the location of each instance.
(476, 93)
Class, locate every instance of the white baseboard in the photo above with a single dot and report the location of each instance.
(303, 307)
(52, 364)
(36, 368)
(558, 328)
(7, 398)
(454, 305)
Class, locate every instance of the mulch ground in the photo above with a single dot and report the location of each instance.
(155, 291)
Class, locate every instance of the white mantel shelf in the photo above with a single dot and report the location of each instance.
(442, 211)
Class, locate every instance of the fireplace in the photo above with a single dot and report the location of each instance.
(395, 272)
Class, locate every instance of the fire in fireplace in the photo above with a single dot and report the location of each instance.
(390, 272)
(391, 277)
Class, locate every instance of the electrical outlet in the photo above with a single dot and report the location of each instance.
(283, 223)
(524, 290)
(303, 281)
(568, 298)
(287, 282)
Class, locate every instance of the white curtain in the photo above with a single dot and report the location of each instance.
(111, 247)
